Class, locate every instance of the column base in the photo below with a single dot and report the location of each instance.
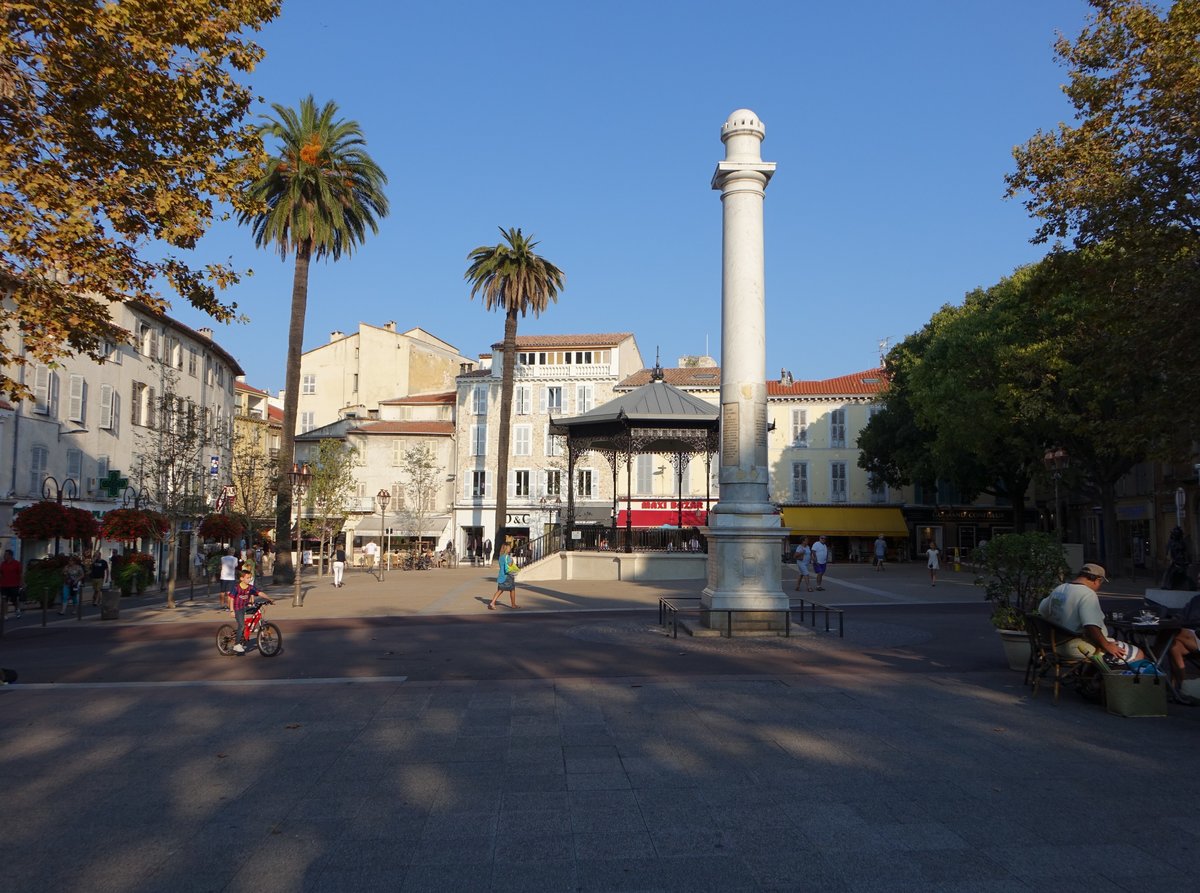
(745, 572)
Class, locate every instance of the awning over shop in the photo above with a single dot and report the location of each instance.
(659, 517)
(814, 520)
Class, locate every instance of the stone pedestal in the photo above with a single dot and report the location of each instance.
(110, 604)
(744, 533)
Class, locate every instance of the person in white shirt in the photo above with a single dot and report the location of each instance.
(931, 556)
(229, 576)
(371, 549)
(1075, 607)
(820, 558)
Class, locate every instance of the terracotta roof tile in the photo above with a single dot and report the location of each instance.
(687, 377)
(421, 399)
(242, 386)
(611, 339)
(866, 383)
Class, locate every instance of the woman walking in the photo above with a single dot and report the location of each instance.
(802, 556)
(506, 580)
(932, 554)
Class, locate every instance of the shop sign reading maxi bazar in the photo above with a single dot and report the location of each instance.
(657, 512)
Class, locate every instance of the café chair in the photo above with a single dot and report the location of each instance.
(1044, 639)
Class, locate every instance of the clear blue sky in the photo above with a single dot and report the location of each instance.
(597, 128)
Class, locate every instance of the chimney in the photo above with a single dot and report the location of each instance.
(205, 333)
(335, 335)
(390, 325)
(464, 368)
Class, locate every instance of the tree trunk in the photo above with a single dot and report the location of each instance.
(284, 570)
(506, 396)
(1109, 542)
(172, 540)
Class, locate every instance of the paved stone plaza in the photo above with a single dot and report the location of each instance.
(890, 760)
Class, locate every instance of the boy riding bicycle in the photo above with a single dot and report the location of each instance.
(242, 597)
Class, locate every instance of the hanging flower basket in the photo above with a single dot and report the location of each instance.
(127, 525)
(221, 528)
(82, 524)
(42, 521)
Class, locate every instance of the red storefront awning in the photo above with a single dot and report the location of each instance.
(659, 517)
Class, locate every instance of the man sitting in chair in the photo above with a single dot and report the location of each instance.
(1076, 608)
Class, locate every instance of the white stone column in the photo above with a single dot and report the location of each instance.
(744, 559)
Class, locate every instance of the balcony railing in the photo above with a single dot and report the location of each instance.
(575, 370)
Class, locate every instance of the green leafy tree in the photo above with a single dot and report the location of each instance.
(1124, 176)
(329, 489)
(122, 131)
(515, 280)
(316, 198)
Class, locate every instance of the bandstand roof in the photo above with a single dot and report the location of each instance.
(653, 418)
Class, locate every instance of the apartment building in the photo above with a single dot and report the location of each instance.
(90, 427)
(258, 429)
(556, 376)
(353, 374)
(383, 447)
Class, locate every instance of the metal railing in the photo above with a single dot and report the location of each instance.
(668, 612)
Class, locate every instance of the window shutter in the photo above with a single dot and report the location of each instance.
(41, 389)
(75, 401)
(116, 414)
(106, 406)
(150, 413)
(512, 484)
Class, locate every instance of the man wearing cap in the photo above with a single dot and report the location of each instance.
(1075, 607)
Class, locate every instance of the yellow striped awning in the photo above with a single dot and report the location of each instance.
(844, 520)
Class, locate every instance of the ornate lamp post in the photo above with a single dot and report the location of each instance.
(68, 488)
(383, 497)
(1056, 461)
(300, 477)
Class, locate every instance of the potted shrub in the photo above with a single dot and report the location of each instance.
(44, 579)
(1018, 570)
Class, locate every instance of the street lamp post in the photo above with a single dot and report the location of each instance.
(383, 497)
(51, 485)
(59, 490)
(1056, 461)
(300, 477)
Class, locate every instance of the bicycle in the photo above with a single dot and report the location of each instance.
(259, 632)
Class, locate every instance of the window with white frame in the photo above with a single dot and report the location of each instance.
(76, 395)
(397, 452)
(523, 399)
(308, 421)
(585, 479)
(478, 440)
(137, 403)
(193, 361)
(39, 459)
(109, 409)
(399, 497)
(645, 475)
(800, 427)
(552, 399)
(176, 353)
(308, 384)
(148, 340)
(518, 485)
(552, 478)
(522, 440)
(101, 467)
(554, 443)
(75, 468)
(45, 390)
(583, 397)
(478, 484)
(837, 482)
(111, 351)
(799, 482)
(479, 399)
(877, 490)
(837, 428)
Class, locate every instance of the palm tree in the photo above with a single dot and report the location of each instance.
(514, 279)
(316, 199)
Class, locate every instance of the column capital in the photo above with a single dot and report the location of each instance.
(742, 170)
